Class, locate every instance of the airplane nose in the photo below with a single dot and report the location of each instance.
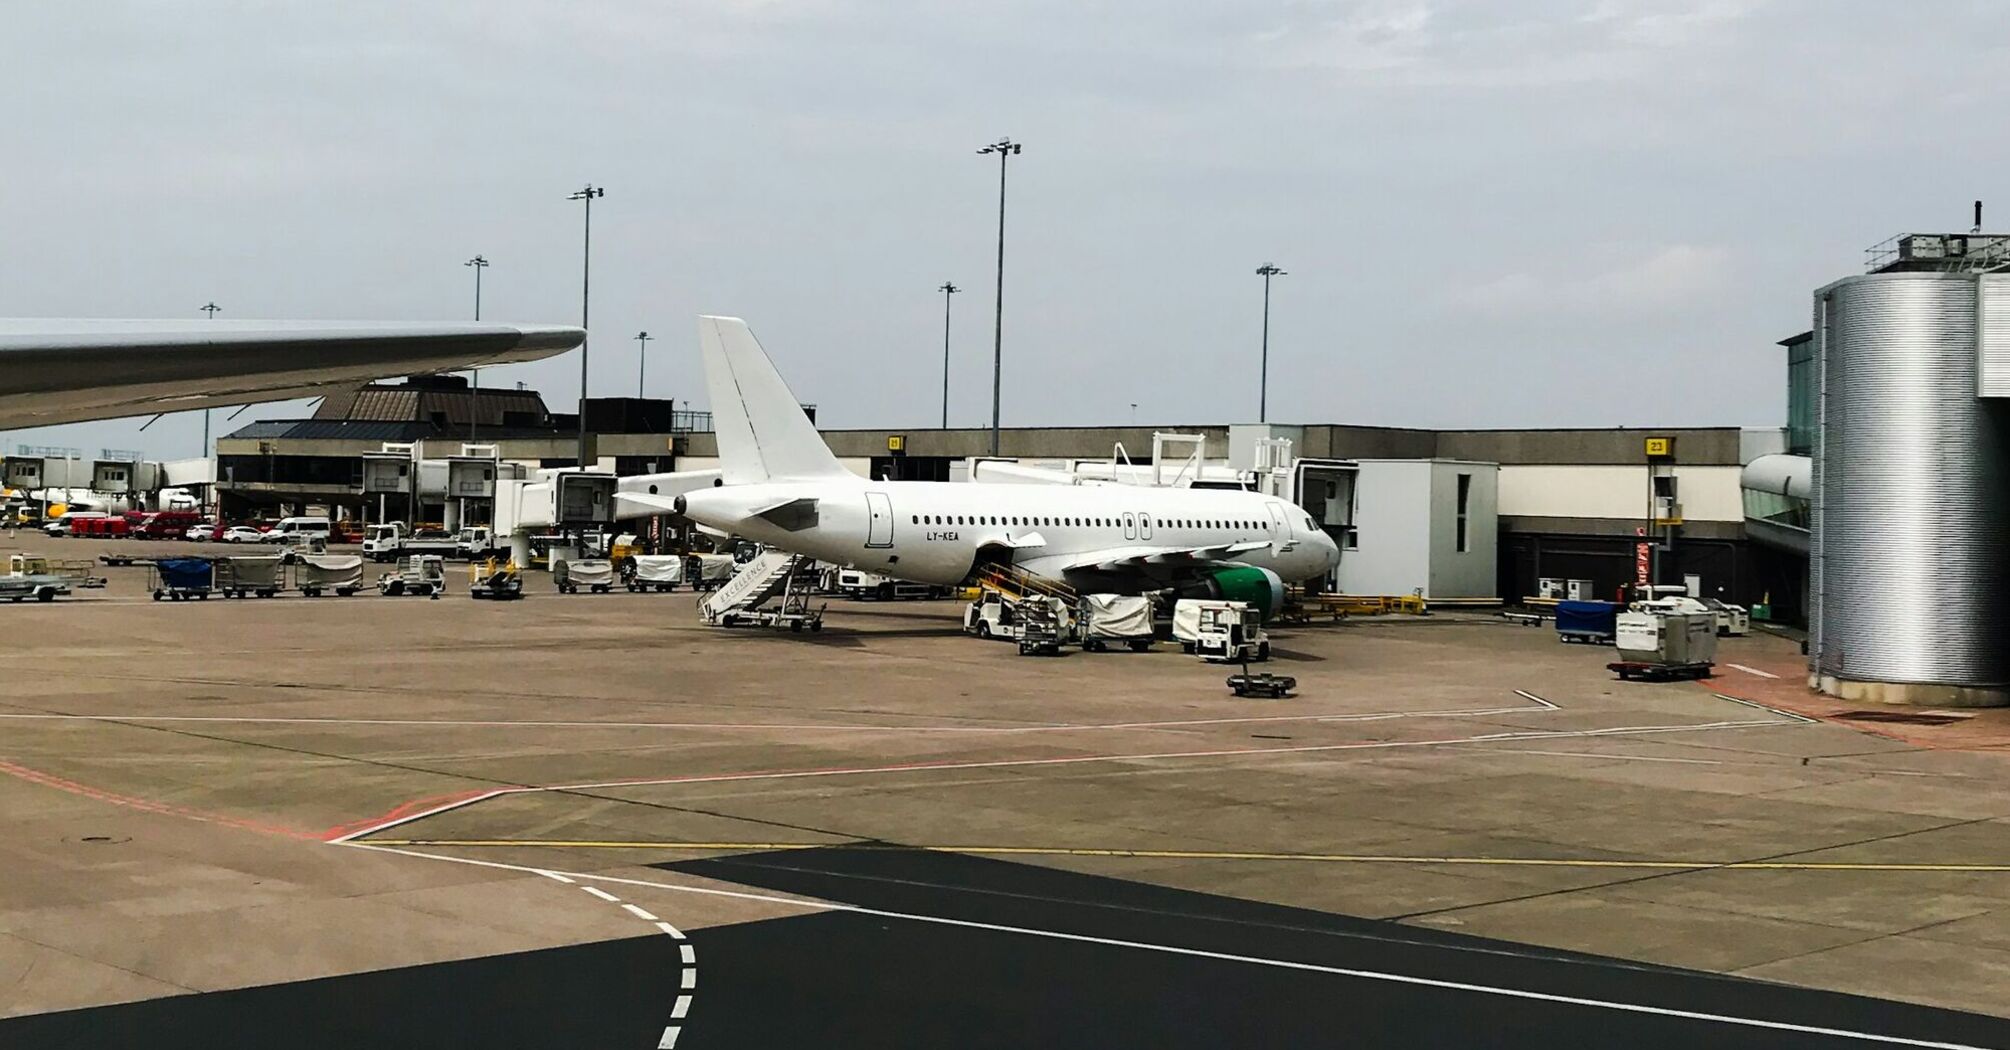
(1332, 552)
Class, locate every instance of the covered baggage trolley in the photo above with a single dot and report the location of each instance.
(179, 578)
(708, 571)
(654, 572)
(594, 574)
(1591, 622)
(1116, 619)
(242, 574)
(318, 574)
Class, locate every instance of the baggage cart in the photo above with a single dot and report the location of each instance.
(317, 574)
(1592, 623)
(654, 572)
(1116, 619)
(243, 574)
(594, 574)
(175, 579)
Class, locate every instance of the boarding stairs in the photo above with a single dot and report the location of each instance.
(772, 573)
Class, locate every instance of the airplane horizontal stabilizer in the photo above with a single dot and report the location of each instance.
(794, 515)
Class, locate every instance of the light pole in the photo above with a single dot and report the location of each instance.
(948, 289)
(1266, 271)
(211, 308)
(475, 383)
(1004, 148)
(585, 284)
(642, 355)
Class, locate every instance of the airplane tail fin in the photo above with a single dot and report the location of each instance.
(762, 431)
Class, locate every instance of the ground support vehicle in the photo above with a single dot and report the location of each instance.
(475, 543)
(391, 541)
(594, 574)
(495, 580)
(1221, 631)
(421, 575)
(179, 578)
(859, 585)
(653, 572)
(1263, 684)
(1648, 671)
(1115, 619)
(43, 579)
(243, 574)
(318, 574)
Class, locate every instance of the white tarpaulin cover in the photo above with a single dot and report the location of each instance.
(659, 568)
(714, 566)
(1186, 616)
(1116, 616)
(590, 572)
(248, 570)
(329, 570)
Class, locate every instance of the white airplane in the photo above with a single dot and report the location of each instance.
(66, 371)
(778, 484)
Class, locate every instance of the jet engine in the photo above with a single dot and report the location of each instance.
(1261, 588)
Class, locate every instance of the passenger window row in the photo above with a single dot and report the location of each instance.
(1098, 523)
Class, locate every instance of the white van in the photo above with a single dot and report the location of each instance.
(290, 529)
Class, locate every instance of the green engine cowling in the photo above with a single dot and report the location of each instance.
(1259, 588)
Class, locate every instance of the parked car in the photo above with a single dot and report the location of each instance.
(241, 534)
(202, 533)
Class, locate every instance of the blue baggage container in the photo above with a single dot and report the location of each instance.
(1593, 622)
(178, 578)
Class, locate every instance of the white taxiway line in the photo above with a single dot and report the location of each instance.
(1337, 971)
(1753, 671)
(687, 957)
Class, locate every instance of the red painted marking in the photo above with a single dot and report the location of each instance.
(148, 805)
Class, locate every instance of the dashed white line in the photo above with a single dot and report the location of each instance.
(1753, 670)
(687, 956)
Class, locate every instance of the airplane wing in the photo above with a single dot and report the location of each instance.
(1112, 559)
(66, 371)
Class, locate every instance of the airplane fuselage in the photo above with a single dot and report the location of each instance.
(935, 532)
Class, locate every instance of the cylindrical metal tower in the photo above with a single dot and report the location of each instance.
(1910, 564)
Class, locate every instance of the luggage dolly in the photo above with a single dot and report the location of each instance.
(1263, 684)
(1649, 672)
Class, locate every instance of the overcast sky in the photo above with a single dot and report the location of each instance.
(1494, 213)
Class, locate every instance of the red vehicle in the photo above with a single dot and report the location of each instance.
(100, 528)
(167, 524)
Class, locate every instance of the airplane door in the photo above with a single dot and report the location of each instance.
(1144, 526)
(879, 522)
(1130, 525)
(1281, 526)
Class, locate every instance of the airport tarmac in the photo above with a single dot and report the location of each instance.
(590, 821)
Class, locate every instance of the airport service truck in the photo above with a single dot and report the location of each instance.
(390, 541)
